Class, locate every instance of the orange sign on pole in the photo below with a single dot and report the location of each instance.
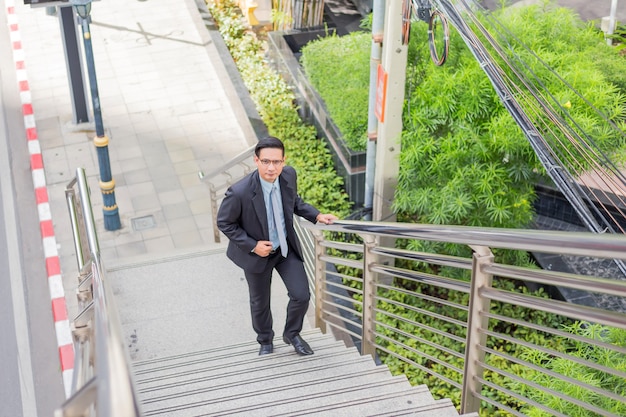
(381, 93)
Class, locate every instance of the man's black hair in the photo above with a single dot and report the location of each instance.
(269, 142)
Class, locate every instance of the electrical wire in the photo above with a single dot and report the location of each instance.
(575, 142)
(553, 138)
(432, 27)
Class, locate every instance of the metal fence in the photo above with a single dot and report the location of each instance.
(451, 321)
(454, 323)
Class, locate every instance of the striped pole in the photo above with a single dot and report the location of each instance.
(101, 141)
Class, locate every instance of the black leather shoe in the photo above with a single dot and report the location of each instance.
(301, 347)
(266, 349)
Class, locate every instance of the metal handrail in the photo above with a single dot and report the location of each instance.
(470, 364)
(363, 319)
(214, 187)
(102, 383)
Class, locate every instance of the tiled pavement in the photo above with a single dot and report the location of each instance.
(169, 109)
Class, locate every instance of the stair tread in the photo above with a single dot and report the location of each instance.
(386, 404)
(260, 368)
(234, 380)
(272, 399)
(440, 408)
(314, 338)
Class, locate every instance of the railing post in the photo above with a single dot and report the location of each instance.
(370, 279)
(320, 281)
(476, 340)
(213, 195)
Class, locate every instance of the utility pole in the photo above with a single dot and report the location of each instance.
(378, 20)
(390, 103)
(73, 61)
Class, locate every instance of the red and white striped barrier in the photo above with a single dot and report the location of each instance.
(53, 265)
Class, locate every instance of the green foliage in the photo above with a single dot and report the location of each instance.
(464, 160)
(338, 68)
(597, 378)
(441, 360)
(319, 184)
(618, 39)
(576, 51)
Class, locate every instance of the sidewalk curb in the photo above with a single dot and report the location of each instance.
(53, 264)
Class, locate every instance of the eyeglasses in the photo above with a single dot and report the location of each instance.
(267, 162)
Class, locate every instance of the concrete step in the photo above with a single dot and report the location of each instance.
(277, 398)
(356, 400)
(244, 378)
(440, 408)
(234, 380)
(227, 354)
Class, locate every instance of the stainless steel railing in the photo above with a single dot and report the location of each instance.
(102, 383)
(223, 177)
(353, 285)
(360, 280)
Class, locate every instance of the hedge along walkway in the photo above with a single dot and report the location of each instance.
(318, 181)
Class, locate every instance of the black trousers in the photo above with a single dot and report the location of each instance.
(291, 271)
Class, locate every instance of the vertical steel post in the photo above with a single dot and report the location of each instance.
(370, 281)
(474, 354)
(612, 22)
(101, 141)
(213, 196)
(320, 281)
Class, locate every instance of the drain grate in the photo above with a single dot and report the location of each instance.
(143, 223)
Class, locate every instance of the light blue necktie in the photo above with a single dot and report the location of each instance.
(279, 225)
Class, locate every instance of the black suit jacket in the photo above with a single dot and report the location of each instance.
(243, 219)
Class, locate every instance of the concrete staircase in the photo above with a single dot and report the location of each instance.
(234, 380)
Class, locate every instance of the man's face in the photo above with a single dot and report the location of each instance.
(274, 159)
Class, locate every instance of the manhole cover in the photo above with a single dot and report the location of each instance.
(143, 223)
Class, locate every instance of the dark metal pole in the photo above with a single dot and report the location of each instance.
(107, 184)
(71, 46)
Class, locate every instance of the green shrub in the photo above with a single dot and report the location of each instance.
(568, 368)
(319, 184)
(464, 160)
(338, 68)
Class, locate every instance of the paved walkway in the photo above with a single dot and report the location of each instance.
(169, 110)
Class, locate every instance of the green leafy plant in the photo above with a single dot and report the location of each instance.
(335, 67)
(319, 184)
(595, 377)
(464, 160)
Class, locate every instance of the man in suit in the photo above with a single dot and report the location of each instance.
(257, 217)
